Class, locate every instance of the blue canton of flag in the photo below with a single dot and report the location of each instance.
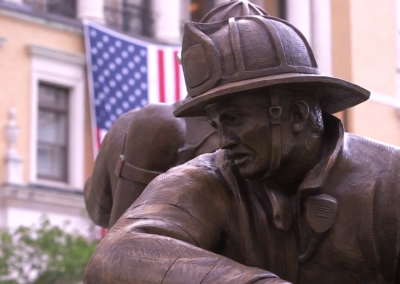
(125, 73)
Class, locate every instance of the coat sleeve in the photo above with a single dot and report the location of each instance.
(97, 189)
(168, 236)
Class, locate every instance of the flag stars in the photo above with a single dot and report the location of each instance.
(99, 44)
(113, 100)
(93, 33)
(119, 70)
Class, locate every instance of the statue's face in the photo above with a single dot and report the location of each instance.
(244, 130)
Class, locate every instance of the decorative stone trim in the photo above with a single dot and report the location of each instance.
(77, 59)
(55, 197)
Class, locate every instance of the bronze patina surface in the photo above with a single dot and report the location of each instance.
(290, 197)
(145, 143)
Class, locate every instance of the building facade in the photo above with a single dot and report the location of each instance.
(45, 142)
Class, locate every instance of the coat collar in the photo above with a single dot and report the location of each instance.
(316, 178)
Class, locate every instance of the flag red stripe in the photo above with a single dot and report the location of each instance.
(161, 75)
(177, 78)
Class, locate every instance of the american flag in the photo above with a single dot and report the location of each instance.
(125, 73)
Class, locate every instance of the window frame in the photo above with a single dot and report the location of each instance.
(58, 111)
(66, 70)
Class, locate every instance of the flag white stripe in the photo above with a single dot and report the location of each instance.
(169, 75)
(152, 63)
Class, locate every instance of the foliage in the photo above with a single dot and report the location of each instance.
(43, 255)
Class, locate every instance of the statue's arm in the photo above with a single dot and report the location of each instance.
(153, 138)
(167, 237)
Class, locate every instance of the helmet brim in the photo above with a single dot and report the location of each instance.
(335, 94)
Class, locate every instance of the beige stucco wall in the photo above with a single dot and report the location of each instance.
(377, 121)
(15, 74)
(364, 52)
(272, 7)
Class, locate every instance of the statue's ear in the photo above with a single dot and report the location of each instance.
(300, 112)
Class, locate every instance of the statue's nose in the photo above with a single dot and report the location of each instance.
(227, 143)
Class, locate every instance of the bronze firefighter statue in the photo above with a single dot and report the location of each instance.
(290, 197)
(143, 144)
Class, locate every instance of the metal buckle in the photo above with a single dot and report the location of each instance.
(120, 164)
(275, 113)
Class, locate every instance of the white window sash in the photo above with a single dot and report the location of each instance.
(67, 70)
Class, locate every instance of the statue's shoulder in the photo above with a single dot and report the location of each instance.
(150, 113)
(371, 153)
(197, 175)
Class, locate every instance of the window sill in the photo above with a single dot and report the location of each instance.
(54, 184)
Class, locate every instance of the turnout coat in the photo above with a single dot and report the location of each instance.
(201, 223)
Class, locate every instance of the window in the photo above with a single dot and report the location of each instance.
(130, 16)
(65, 8)
(52, 144)
(50, 70)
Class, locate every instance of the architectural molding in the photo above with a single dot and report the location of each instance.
(78, 59)
(299, 14)
(20, 12)
(67, 70)
(321, 34)
(91, 10)
(42, 196)
(13, 161)
(385, 100)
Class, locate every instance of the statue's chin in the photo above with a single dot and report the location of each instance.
(254, 176)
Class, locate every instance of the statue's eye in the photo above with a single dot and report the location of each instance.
(212, 123)
(234, 119)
